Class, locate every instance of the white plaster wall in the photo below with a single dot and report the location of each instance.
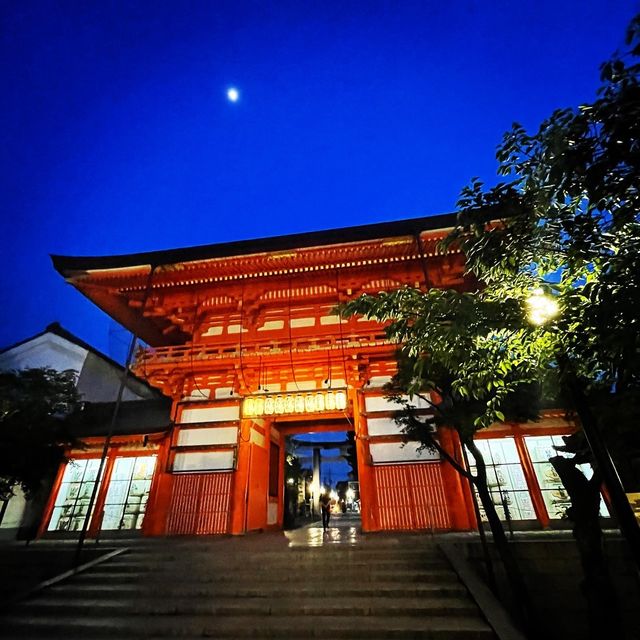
(13, 514)
(48, 350)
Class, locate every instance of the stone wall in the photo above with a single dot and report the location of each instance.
(551, 568)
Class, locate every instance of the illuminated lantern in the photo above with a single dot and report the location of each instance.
(290, 404)
(310, 403)
(319, 401)
(259, 406)
(299, 404)
(279, 405)
(341, 400)
(269, 406)
(249, 407)
(330, 401)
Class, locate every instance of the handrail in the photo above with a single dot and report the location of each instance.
(163, 355)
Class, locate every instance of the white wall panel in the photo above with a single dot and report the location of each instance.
(394, 452)
(215, 435)
(383, 427)
(380, 403)
(210, 414)
(203, 461)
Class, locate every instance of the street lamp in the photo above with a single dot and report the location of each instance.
(541, 309)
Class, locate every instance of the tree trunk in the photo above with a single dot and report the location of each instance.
(3, 508)
(621, 506)
(597, 587)
(522, 603)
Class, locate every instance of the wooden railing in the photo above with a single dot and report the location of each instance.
(158, 356)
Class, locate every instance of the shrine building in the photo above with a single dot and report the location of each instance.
(245, 340)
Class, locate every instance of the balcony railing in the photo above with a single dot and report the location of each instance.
(272, 349)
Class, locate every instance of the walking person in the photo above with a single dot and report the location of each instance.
(325, 508)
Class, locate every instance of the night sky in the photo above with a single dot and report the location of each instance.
(117, 135)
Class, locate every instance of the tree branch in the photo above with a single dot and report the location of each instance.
(433, 442)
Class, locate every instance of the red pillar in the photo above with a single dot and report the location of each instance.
(281, 481)
(155, 519)
(462, 518)
(366, 474)
(240, 484)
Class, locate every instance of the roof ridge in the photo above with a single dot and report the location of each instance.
(66, 265)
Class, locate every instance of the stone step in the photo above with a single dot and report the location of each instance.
(247, 626)
(171, 553)
(283, 558)
(189, 566)
(177, 551)
(261, 542)
(252, 576)
(319, 590)
(257, 588)
(224, 606)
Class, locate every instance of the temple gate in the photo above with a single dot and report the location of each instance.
(245, 338)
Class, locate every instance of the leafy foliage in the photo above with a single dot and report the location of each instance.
(569, 217)
(35, 410)
(476, 355)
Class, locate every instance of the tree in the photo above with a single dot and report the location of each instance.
(36, 408)
(475, 360)
(565, 222)
(569, 214)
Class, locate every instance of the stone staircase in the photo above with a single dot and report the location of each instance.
(257, 587)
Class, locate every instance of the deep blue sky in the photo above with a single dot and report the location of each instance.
(117, 137)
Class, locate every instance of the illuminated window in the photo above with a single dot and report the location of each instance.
(72, 501)
(126, 499)
(506, 479)
(555, 496)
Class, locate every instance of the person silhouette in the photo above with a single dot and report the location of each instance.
(325, 508)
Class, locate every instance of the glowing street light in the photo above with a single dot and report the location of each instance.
(541, 308)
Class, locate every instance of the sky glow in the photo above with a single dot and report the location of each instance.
(120, 136)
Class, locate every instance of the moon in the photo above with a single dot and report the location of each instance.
(233, 95)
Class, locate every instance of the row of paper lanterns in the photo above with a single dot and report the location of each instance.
(292, 403)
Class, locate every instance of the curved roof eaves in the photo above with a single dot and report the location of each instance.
(73, 265)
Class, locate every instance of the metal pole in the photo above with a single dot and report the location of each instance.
(112, 425)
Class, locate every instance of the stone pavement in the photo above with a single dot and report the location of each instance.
(302, 584)
(344, 529)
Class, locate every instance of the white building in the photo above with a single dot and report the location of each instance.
(99, 379)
